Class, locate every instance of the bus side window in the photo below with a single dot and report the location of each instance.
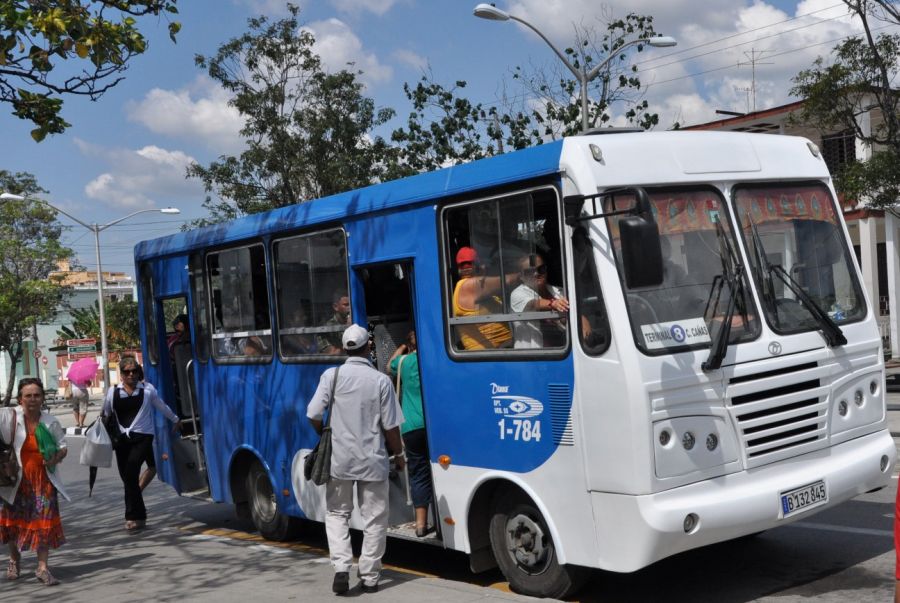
(312, 294)
(499, 248)
(237, 283)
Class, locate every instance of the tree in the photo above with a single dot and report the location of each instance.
(29, 252)
(122, 324)
(37, 35)
(445, 128)
(859, 79)
(308, 132)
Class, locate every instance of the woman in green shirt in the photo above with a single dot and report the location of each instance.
(405, 362)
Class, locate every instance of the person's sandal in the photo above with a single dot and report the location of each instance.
(12, 570)
(423, 532)
(46, 578)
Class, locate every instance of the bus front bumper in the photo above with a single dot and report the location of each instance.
(635, 531)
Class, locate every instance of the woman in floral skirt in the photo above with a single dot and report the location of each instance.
(29, 510)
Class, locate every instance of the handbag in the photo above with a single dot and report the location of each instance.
(97, 450)
(317, 464)
(111, 423)
(9, 463)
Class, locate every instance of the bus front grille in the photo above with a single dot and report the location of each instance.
(779, 414)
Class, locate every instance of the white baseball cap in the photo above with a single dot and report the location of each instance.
(355, 337)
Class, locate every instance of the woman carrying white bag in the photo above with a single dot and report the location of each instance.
(97, 450)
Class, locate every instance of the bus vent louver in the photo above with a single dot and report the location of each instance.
(781, 413)
(560, 396)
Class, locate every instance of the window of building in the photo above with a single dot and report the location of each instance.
(838, 150)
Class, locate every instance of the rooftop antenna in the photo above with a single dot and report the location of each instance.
(753, 59)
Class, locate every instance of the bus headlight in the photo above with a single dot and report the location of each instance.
(858, 402)
(718, 446)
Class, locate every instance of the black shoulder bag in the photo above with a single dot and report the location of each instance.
(317, 464)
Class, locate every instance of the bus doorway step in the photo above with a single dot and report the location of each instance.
(201, 494)
(407, 531)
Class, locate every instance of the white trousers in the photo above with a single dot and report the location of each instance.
(373, 508)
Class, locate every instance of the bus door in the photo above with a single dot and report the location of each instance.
(178, 370)
(389, 292)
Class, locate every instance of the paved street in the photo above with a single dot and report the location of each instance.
(200, 552)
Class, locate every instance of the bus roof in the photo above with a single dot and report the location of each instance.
(534, 162)
(675, 157)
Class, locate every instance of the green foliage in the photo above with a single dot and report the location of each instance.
(308, 132)
(29, 252)
(858, 78)
(444, 128)
(36, 36)
(122, 324)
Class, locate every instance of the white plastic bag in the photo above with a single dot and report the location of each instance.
(97, 450)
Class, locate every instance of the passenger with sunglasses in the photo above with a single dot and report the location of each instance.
(129, 404)
(535, 294)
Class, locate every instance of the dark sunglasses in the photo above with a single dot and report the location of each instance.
(129, 371)
(542, 269)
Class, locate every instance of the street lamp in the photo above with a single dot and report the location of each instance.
(492, 13)
(96, 229)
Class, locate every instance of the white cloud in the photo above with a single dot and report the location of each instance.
(143, 178)
(198, 113)
(379, 7)
(411, 59)
(716, 48)
(338, 45)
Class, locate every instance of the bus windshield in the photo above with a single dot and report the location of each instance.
(701, 274)
(798, 259)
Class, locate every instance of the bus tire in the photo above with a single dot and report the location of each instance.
(525, 552)
(264, 509)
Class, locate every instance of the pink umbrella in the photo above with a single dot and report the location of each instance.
(82, 370)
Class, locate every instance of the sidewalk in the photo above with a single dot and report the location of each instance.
(62, 410)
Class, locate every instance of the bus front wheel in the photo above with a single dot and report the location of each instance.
(524, 550)
(264, 510)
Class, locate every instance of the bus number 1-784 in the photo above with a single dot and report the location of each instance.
(520, 429)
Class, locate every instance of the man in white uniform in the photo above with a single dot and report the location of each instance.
(365, 433)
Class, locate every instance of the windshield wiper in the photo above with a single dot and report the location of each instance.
(830, 330)
(732, 275)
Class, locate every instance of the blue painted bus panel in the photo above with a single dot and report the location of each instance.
(522, 165)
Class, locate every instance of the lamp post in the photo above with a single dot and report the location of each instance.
(96, 229)
(492, 13)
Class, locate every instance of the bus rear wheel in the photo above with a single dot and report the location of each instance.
(524, 550)
(264, 509)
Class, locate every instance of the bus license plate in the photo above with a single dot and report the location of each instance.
(802, 498)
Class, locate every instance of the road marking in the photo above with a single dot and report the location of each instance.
(846, 529)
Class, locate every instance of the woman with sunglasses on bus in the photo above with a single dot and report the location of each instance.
(535, 294)
(29, 509)
(129, 405)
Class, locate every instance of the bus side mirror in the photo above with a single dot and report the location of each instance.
(641, 248)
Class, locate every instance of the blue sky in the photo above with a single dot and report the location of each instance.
(128, 151)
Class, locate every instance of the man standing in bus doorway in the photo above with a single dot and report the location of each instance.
(365, 434)
(330, 343)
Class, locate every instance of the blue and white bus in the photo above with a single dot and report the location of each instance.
(719, 371)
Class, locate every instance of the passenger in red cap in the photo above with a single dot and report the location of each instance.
(466, 259)
(478, 295)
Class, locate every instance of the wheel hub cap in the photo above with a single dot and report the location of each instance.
(525, 540)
